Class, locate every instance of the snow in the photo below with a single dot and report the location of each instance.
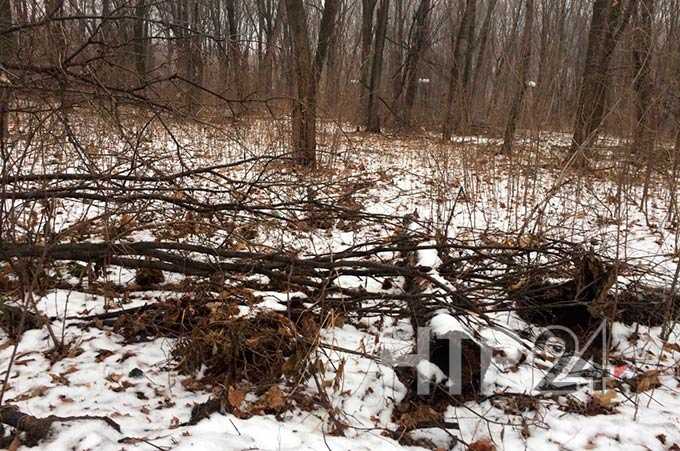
(405, 178)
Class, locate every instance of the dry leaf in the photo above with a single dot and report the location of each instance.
(114, 377)
(274, 399)
(339, 374)
(645, 381)
(482, 445)
(421, 415)
(32, 393)
(103, 354)
(605, 399)
(235, 397)
(70, 370)
(671, 347)
(59, 379)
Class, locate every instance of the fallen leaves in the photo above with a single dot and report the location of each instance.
(419, 416)
(484, 444)
(645, 381)
(59, 379)
(605, 399)
(272, 401)
(103, 354)
(40, 390)
(235, 397)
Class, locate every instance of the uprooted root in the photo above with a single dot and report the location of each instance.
(587, 296)
(578, 303)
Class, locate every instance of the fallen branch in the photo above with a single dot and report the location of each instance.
(36, 429)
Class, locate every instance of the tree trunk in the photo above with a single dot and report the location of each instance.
(140, 39)
(521, 87)
(643, 53)
(420, 23)
(481, 54)
(188, 36)
(234, 47)
(397, 54)
(607, 24)
(7, 50)
(372, 116)
(367, 9)
(272, 25)
(455, 93)
(58, 50)
(463, 118)
(307, 74)
(499, 69)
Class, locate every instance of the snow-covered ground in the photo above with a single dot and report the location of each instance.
(483, 198)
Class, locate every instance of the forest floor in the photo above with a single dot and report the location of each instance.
(133, 371)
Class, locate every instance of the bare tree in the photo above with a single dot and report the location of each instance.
(141, 38)
(608, 21)
(397, 53)
(459, 68)
(409, 84)
(479, 80)
(7, 49)
(233, 46)
(643, 53)
(522, 79)
(367, 10)
(372, 116)
(308, 69)
(270, 14)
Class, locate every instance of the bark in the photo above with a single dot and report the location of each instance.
(372, 116)
(397, 51)
(522, 78)
(454, 103)
(326, 31)
(481, 54)
(58, 50)
(106, 13)
(140, 39)
(304, 113)
(7, 50)
(420, 25)
(609, 19)
(643, 53)
(367, 9)
(334, 63)
(234, 47)
(188, 35)
(36, 429)
(271, 24)
(499, 71)
(463, 120)
(194, 54)
(307, 69)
